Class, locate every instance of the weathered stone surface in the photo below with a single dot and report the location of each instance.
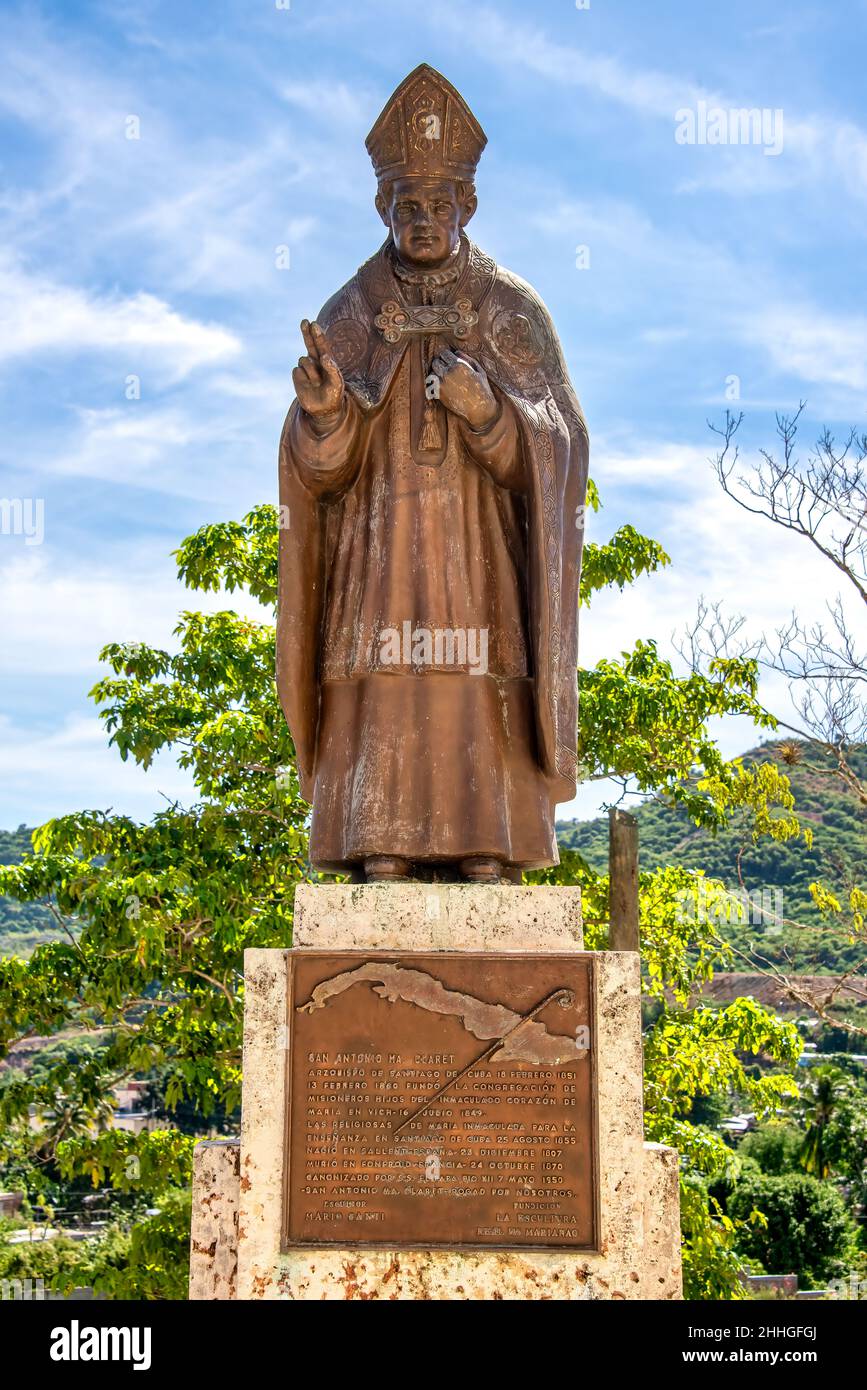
(439, 1275)
(263, 1122)
(639, 1248)
(620, 1113)
(214, 1227)
(437, 917)
(614, 1272)
(435, 1275)
(661, 1263)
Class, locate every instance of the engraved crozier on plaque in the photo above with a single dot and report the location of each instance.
(440, 1100)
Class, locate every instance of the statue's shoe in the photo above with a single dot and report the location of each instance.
(482, 869)
(386, 868)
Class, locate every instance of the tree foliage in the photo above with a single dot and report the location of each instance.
(820, 498)
(158, 915)
(802, 1226)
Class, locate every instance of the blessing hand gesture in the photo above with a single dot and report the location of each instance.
(317, 379)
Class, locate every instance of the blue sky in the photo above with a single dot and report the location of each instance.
(156, 257)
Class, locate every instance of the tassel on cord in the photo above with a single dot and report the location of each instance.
(430, 437)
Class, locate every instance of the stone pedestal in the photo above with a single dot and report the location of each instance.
(638, 1246)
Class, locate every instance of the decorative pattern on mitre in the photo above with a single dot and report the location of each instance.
(426, 128)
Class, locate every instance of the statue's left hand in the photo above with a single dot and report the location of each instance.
(464, 389)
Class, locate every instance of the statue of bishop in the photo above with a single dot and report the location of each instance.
(433, 470)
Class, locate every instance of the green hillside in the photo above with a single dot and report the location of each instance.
(839, 826)
(23, 926)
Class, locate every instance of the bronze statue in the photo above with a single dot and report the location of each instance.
(432, 479)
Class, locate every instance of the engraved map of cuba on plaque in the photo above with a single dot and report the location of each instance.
(442, 1099)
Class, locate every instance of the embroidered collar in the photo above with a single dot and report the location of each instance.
(429, 279)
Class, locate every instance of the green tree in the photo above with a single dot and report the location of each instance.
(803, 1227)
(775, 1146)
(820, 496)
(157, 915)
(694, 1052)
(834, 1110)
(825, 1091)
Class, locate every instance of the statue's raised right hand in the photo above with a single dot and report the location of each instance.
(318, 382)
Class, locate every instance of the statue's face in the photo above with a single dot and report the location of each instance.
(425, 217)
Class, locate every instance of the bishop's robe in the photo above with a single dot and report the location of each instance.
(405, 521)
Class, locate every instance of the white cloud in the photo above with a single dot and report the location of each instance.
(639, 265)
(502, 40)
(42, 86)
(57, 616)
(255, 386)
(718, 551)
(818, 143)
(714, 294)
(661, 337)
(217, 225)
(644, 465)
(202, 205)
(198, 215)
(716, 547)
(331, 102)
(48, 773)
(140, 446)
(38, 315)
(817, 347)
(59, 613)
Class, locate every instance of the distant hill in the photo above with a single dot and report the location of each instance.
(23, 926)
(839, 826)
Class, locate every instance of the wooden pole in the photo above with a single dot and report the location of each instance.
(623, 881)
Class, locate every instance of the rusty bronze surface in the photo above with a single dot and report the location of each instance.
(433, 472)
(440, 1100)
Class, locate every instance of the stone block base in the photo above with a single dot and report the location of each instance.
(343, 1275)
(238, 1186)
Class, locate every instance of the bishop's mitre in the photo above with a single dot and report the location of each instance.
(426, 128)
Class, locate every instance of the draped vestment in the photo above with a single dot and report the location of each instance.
(427, 617)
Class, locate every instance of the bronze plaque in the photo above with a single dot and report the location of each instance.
(441, 1099)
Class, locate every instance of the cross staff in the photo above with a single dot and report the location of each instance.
(564, 997)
